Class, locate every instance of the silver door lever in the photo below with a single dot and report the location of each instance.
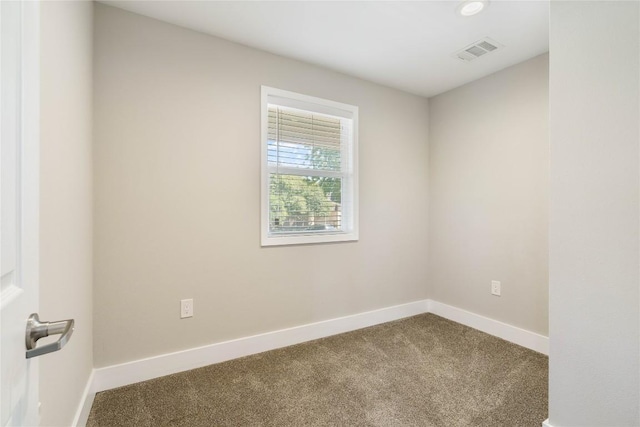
(37, 329)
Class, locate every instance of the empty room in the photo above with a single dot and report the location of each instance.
(320, 213)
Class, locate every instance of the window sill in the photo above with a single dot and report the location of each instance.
(306, 239)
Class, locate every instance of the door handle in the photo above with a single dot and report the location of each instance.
(37, 329)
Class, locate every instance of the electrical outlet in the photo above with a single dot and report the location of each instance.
(186, 308)
(495, 288)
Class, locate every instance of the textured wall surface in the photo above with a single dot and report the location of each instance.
(594, 230)
(66, 209)
(488, 195)
(177, 182)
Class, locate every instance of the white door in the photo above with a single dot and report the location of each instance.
(19, 177)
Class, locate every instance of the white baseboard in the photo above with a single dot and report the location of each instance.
(82, 413)
(153, 367)
(545, 423)
(166, 364)
(528, 339)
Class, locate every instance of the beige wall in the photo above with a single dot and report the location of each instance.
(594, 372)
(66, 202)
(177, 206)
(488, 179)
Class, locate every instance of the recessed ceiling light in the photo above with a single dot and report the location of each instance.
(471, 7)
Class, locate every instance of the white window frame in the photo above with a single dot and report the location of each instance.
(349, 168)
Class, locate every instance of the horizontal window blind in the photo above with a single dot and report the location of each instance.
(303, 140)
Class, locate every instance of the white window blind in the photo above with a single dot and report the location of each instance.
(309, 171)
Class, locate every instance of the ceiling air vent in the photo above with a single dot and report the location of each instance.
(478, 49)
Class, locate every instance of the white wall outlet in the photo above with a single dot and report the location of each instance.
(495, 287)
(186, 308)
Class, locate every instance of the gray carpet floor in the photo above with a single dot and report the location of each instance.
(419, 371)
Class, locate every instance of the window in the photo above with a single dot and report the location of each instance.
(309, 169)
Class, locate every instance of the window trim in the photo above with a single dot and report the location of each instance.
(325, 106)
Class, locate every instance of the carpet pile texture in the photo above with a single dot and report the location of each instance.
(419, 371)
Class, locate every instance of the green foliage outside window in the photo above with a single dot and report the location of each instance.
(304, 202)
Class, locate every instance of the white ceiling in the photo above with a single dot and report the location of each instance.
(406, 45)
